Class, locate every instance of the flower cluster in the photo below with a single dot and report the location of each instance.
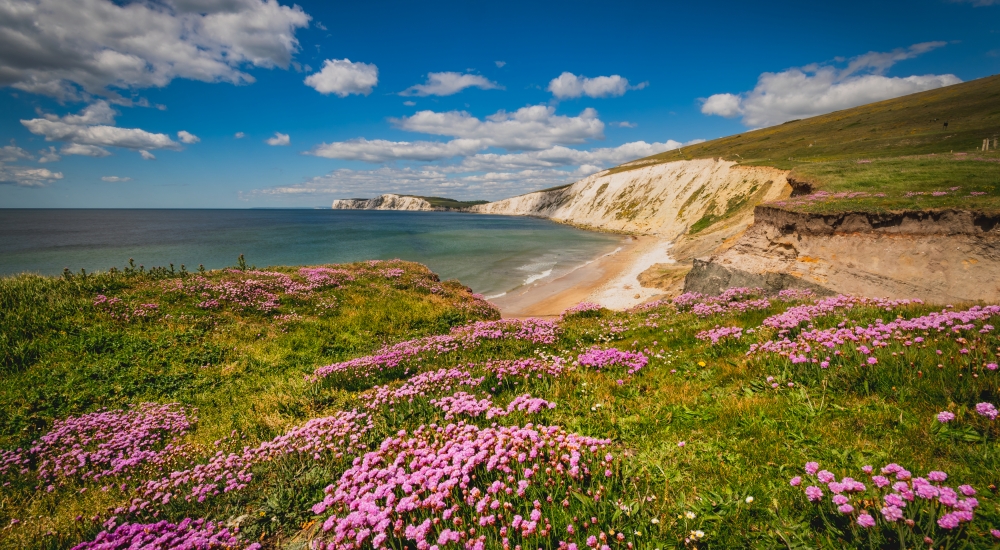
(524, 368)
(421, 385)
(598, 358)
(909, 507)
(116, 308)
(537, 331)
(330, 437)
(582, 308)
(467, 404)
(104, 443)
(196, 534)
(795, 316)
(459, 484)
(731, 300)
(718, 333)
(795, 294)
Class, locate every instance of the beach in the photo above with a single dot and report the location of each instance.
(610, 280)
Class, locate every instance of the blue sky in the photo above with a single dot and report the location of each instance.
(139, 104)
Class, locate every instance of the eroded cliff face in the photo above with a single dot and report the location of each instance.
(688, 198)
(383, 202)
(940, 256)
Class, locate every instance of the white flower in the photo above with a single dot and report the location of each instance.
(749, 500)
(699, 534)
(689, 515)
(654, 521)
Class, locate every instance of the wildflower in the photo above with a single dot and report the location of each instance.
(689, 515)
(937, 476)
(865, 520)
(845, 508)
(967, 490)
(749, 500)
(681, 443)
(814, 493)
(701, 363)
(796, 481)
(892, 513)
(654, 521)
(812, 467)
(945, 416)
(867, 469)
(825, 476)
(988, 410)
(872, 361)
(995, 533)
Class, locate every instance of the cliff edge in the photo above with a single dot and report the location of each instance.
(384, 202)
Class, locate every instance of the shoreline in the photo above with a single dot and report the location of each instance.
(610, 279)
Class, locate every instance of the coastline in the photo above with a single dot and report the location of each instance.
(610, 279)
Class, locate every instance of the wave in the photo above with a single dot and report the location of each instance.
(538, 276)
(495, 296)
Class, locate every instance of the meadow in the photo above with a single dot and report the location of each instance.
(371, 405)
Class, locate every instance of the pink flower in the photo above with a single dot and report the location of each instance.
(945, 416)
(845, 508)
(812, 467)
(892, 513)
(988, 410)
(865, 520)
(681, 443)
(872, 361)
(796, 481)
(814, 493)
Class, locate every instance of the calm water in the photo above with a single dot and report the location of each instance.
(492, 254)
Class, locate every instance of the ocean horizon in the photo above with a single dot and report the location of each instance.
(491, 254)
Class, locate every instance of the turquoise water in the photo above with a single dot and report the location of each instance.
(492, 254)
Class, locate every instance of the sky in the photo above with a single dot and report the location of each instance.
(269, 103)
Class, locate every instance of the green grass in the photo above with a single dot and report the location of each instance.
(441, 202)
(245, 369)
(899, 134)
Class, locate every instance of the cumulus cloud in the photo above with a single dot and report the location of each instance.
(531, 127)
(449, 83)
(84, 150)
(27, 177)
(115, 179)
(409, 103)
(58, 48)
(627, 124)
(13, 153)
(50, 155)
(569, 85)
(92, 129)
(278, 139)
(146, 155)
(380, 150)
(818, 89)
(239, 135)
(500, 64)
(187, 137)
(560, 156)
(343, 77)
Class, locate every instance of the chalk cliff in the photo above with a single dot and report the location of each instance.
(383, 202)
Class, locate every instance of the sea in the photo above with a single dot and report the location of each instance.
(491, 254)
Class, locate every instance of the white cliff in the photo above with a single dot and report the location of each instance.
(388, 201)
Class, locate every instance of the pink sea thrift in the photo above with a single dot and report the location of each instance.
(196, 534)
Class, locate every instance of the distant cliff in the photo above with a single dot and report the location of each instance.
(390, 201)
(384, 202)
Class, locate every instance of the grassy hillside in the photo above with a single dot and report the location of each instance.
(922, 143)
(683, 424)
(441, 202)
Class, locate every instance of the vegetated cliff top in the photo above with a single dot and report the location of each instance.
(442, 202)
(914, 152)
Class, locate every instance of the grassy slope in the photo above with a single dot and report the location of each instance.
(244, 370)
(905, 137)
(441, 202)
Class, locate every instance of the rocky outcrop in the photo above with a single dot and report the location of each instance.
(383, 202)
(936, 255)
(670, 200)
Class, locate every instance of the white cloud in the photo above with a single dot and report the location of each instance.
(57, 47)
(278, 139)
(627, 124)
(559, 156)
(342, 77)
(818, 89)
(409, 103)
(84, 150)
(92, 127)
(12, 153)
(449, 83)
(239, 135)
(146, 155)
(27, 177)
(187, 137)
(380, 150)
(531, 127)
(50, 155)
(500, 64)
(569, 85)
(724, 105)
(115, 179)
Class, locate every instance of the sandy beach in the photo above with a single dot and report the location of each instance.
(610, 280)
